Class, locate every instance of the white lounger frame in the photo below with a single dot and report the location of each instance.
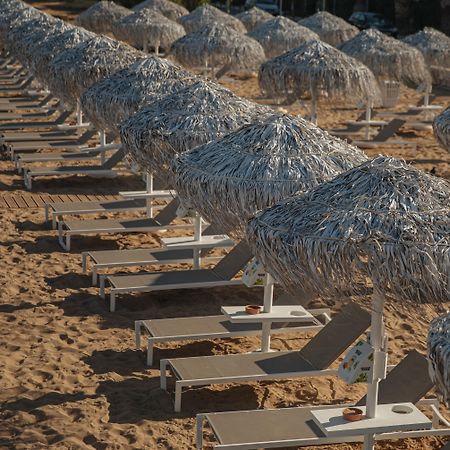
(437, 419)
(139, 327)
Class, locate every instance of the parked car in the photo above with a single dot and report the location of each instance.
(364, 20)
(271, 6)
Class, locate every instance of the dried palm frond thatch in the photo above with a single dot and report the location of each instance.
(229, 179)
(147, 28)
(435, 47)
(384, 219)
(439, 355)
(332, 29)
(441, 128)
(101, 15)
(314, 67)
(281, 34)
(181, 121)
(115, 98)
(388, 58)
(169, 9)
(44, 51)
(15, 14)
(210, 15)
(218, 46)
(75, 69)
(254, 17)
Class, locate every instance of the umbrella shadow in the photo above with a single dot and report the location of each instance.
(9, 308)
(136, 399)
(29, 225)
(68, 281)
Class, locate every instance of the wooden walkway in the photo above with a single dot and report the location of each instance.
(16, 201)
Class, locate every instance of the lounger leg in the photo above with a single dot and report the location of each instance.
(163, 373)
(112, 302)
(83, 262)
(369, 442)
(94, 276)
(137, 333)
(150, 345)
(178, 392)
(46, 212)
(199, 432)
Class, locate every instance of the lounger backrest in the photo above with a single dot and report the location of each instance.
(389, 130)
(169, 213)
(408, 381)
(336, 336)
(115, 159)
(235, 261)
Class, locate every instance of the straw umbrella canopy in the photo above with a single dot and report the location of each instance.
(332, 29)
(169, 9)
(218, 46)
(45, 50)
(15, 14)
(281, 34)
(77, 68)
(254, 17)
(316, 67)
(384, 220)
(388, 58)
(115, 98)
(441, 128)
(210, 15)
(229, 179)
(148, 28)
(435, 47)
(181, 121)
(101, 16)
(439, 355)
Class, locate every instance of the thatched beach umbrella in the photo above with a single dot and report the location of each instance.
(388, 58)
(181, 121)
(439, 355)
(101, 15)
(169, 9)
(316, 67)
(441, 128)
(209, 15)
(146, 29)
(384, 220)
(435, 47)
(77, 68)
(15, 14)
(45, 50)
(331, 29)
(231, 178)
(281, 34)
(254, 17)
(218, 46)
(115, 98)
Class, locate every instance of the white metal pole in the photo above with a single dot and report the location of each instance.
(79, 114)
(368, 117)
(268, 302)
(197, 237)
(145, 46)
(102, 136)
(149, 190)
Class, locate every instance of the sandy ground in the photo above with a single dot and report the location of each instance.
(70, 377)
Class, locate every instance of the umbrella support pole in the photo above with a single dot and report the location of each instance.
(197, 237)
(79, 114)
(313, 90)
(377, 341)
(268, 302)
(149, 190)
(368, 119)
(102, 136)
(145, 46)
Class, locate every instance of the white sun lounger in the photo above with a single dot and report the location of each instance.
(107, 169)
(57, 123)
(222, 274)
(314, 359)
(163, 221)
(214, 327)
(407, 382)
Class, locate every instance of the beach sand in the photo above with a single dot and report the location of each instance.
(70, 377)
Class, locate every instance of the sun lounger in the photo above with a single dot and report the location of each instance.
(9, 137)
(57, 123)
(384, 137)
(120, 259)
(214, 327)
(27, 103)
(222, 274)
(108, 168)
(312, 360)
(21, 85)
(162, 221)
(407, 382)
